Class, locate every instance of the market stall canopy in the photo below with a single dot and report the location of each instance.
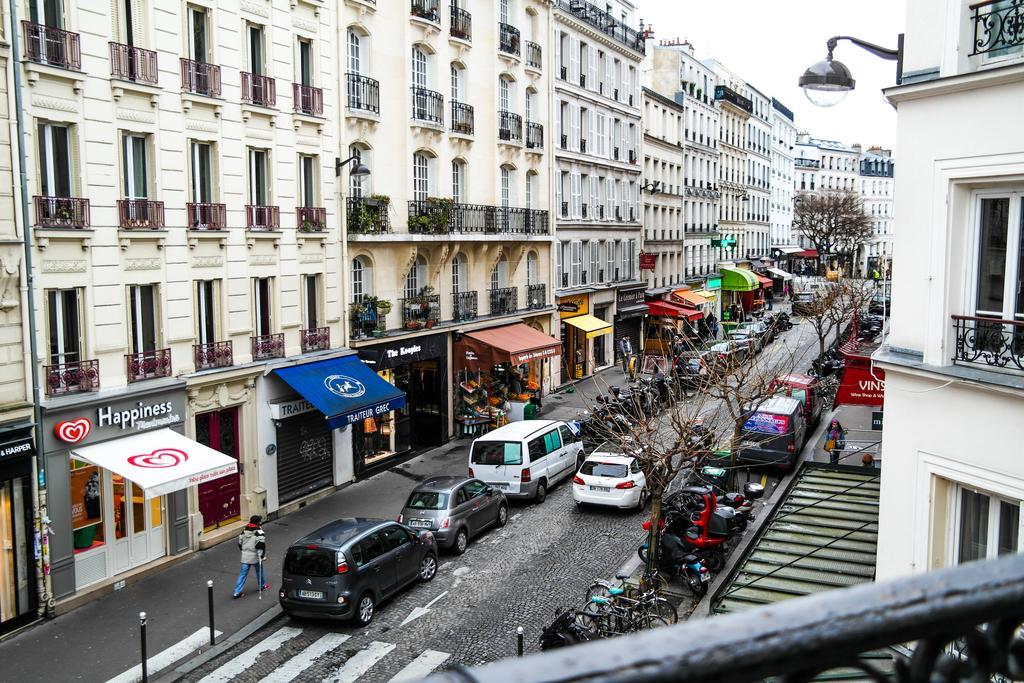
(738, 280)
(765, 282)
(778, 272)
(808, 253)
(161, 461)
(710, 296)
(594, 327)
(344, 389)
(790, 250)
(516, 344)
(671, 310)
(690, 297)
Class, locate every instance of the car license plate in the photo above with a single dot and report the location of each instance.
(705, 576)
(602, 489)
(501, 487)
(312, 595)
(420, 523)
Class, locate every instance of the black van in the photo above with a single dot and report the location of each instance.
(344, 569)
(774, 433)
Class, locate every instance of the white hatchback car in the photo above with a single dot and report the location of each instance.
(611, 479)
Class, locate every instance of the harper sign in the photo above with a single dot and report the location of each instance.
(83, 425)
(16, 449)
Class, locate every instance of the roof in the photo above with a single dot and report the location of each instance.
(446, 483)
(340, 531)
(779, 404)
(832, 145)
(617, 458)
(517, 430)
(823, 535)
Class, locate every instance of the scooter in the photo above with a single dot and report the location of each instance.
(564, 631)
(710, 557)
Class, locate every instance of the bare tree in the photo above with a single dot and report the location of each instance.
(832, 221)
(833, 306)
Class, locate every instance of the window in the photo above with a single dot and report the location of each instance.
(532, 274)
(306, 71)
(355, 53)
(458, 180)
(552, 441)
(419, 68)
(202, 172)
(456, 73)
(474, 489)
(999, 278)
(460, 497)
(311, 301)
(499, 274)
(595, 260)
(576, 262)
(256, 59)
(394, 537)
(54, 160)
(206, 311)
(504, 97)
(357, 183)
(537, 450)
(420, 177)
(262, 306)
(307, 180)
(142, 318)
(64, 315)
(136, 169)
(198, 46)
(362, 279)
(368, 550)
(986, 526)
(531, 179)
(259, 178)
(506, 186)
(415, 278)
(458, 274)
(565, 434)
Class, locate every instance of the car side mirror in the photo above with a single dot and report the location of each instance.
(489, 491)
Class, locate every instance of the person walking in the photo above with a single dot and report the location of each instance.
(626, 351)
(713, 325)
(253, 544)
(769, 298)
(835, 441)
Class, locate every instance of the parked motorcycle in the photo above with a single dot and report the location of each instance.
(564, 631)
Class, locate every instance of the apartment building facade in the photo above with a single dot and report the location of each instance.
(664, 185)
(877, 186)
(736, 108)
(783, 169)
(758, 180)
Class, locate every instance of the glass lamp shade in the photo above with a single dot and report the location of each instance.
(827, 82)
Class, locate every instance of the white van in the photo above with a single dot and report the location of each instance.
(523, 459)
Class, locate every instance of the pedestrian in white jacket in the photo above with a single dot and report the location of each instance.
(252, 543)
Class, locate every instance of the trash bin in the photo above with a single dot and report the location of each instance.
(530, 411)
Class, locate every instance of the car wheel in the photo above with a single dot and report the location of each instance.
(461, 542)
(364, 610)
(428, 567)
(502, 515)
(644, 495)
(542, 492)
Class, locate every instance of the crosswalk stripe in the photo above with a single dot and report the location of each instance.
(421, 666)
(290, 670)
(162, 660)
(360, 663)
(243, 661)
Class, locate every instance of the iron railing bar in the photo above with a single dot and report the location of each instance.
(810, 505)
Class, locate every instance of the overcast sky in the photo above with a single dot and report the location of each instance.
(769, 43)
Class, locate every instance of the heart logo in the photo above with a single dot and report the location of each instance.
(159, 459)
(73, 431)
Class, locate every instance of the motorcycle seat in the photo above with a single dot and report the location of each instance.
(622, 577)
(691, 559)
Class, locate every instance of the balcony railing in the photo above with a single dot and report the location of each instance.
(724, 93)
(604, 22)
(366, 320)
(363, 93)
(267, 346)
(427, 105)
(133, 63)
(315, 339)
(534, 57)
(508, 39)
(200, 78)
(72, 378)
(434, 217)
(213, 355)
(206, 216)
(464, 306)
(534, 136)
(367, 216)
(311, 218)
(258, 89)
(148, 365)
(140, 214)
(262, 217)
(461, 23)
(536, 296)
(62, 212)
(423, 311)
(462, 118)
(988, 342)
(504, 300)
(426, 9)
(510, 127)
(53, 46)
(308, 99)
(998, 26)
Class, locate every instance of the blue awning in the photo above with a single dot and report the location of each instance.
(344, 389)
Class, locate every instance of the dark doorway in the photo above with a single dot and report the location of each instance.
(422, 423)
(220, 499)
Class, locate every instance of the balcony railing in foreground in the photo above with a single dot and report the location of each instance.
(988, 342)
(998, 27)
(960, 623)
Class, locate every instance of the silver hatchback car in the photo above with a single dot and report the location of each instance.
(455, 509)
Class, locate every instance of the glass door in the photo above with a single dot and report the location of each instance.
(15, 571)
(138, 525)
(999, 279)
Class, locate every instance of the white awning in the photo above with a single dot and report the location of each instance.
(161, 461)
(778, 272)
(790, 250)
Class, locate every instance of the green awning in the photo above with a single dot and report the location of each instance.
(738, 280)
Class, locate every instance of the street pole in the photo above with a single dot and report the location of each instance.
(209, 600)
(142, 637)
(519, 641)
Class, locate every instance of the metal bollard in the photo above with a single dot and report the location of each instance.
(142, 635)
(519, 640)
(209, 599)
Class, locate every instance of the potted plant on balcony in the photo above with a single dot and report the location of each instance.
(433, 217)
(309, 225)
(421, 9)
(377, 200)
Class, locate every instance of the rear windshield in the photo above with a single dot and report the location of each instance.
(604, 469)
(767, 423)
(497, 453)
(310, 562)
(428, 500)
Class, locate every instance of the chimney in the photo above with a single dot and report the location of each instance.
(856, 147)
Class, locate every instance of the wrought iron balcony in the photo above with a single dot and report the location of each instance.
(603, 22)
(140, 214)
(439, 216)
(308, 99)
(464, 306)
(534, 136)
(200, 78)
(536, 296)
(422, 311)
(132, 63)
(426, 9)
(148, 365)
(998, 26)
(726, 94)
(206, 216)
(534, 57)
(462, 118)
(363, 93)
(461, 23)
(262, 217)
(367, 215)
(52, 46)
(508, 39)
(259, 90)
(988, 342)
(510, 127)
(213, 355)
(267, 346)
(366, 319)
(504, 300)
(315, 339)
(564, 210)
(311, 218)
(62, 212)
(72, 378)
(427, 105)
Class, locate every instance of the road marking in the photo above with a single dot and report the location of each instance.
(431, 603)
(239, 664)
(516, 516)
(164, 659)
(421, 666)
(291, 669)
(418, 612)
(360, 663)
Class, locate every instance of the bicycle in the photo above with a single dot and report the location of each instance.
(607, 618)
(650, 599)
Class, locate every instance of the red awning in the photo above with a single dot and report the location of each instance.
(672, 310)
(516, 344)
(765, 282)
(807, 253)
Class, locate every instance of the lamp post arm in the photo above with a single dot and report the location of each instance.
(877, 50)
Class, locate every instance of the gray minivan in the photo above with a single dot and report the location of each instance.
(344, 569)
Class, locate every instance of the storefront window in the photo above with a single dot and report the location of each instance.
(14, 552)
(86, 506)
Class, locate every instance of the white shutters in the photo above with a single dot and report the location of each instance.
(600, 125)
(574, 60)
(419, 68)
(558, 264)
(595, 261)
(577, 194)
(609, 260)
(574, 126)
(531, 269)
(592, 68)
(594, 195)
(576, 263)
(610, 188)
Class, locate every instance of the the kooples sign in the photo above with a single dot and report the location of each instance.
(83, 425)
(383, 356)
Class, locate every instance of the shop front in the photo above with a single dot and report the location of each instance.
(17, 563)
(579, 330)
(779, 279)
(118, 473)
(630, 310)
(739, 288)
(665, 321)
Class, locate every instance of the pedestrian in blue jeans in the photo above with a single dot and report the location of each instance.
(252, 543)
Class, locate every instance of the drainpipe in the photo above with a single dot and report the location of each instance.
(41, 521)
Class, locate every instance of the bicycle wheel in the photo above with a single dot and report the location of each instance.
(661, 607)
(651, 621)
(599, 589)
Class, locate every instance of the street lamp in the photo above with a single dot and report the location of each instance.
(827, 82)
(358, 169)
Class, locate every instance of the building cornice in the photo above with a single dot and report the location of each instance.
(949, 85)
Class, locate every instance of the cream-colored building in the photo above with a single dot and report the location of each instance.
(759, 165)
(953, 480)
(877, 190)
(783, 144)
(736, 108)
